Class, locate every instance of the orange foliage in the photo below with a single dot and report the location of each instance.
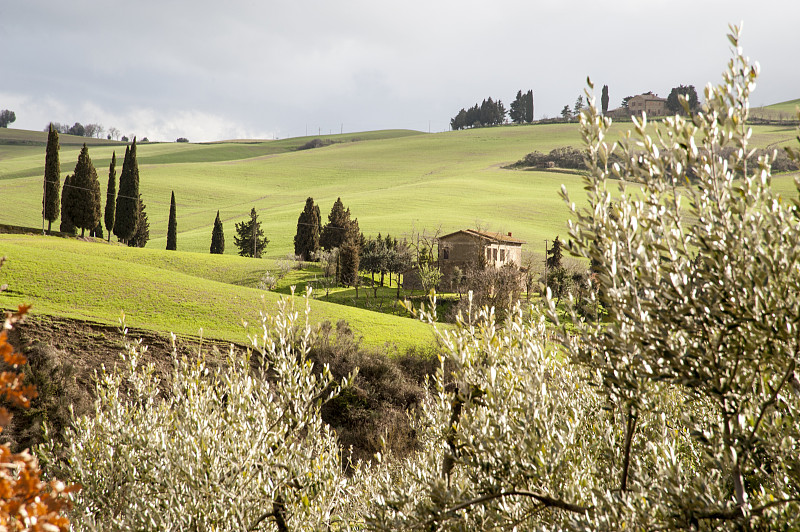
(27, 503)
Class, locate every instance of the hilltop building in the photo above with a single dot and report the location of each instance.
(647, 103)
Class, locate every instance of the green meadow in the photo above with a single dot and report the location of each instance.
(190, 294)
(398, 182)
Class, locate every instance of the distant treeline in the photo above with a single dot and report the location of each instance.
(493, 113)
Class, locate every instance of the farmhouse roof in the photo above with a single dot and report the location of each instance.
(649, 96)
(486, 235)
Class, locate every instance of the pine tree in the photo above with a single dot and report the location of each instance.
(111, 195)
(142, 234)
(554, 255)
(52, 178)
(333, 234)
(127, 203)
(306, 241)
(349, 254)
(604, 99)
(66, 224)
(249, 237)
(172, 226)
(218, 237)
(84, 204)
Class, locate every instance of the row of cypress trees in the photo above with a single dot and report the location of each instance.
(79, 205)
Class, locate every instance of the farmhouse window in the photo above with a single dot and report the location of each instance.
(502, 255)
(494, 255)
(446, 253)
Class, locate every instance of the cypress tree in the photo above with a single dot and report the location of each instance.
(142, 233)
(111, 195)
(604, 99)
(333, 234)
(52, 178)
(529, 107)
(249, 237)
(172, 226)
(350, 254)
(127, 213)
(66, 224)
(306, 241)
(218, 237)
(84, 205)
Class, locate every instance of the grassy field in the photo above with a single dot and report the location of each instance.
(778, 111)
(394, 182)
(164, 291)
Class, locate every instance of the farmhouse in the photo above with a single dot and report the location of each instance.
(469, 246)
(647, 103)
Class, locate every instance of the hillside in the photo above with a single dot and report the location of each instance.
(394, 182)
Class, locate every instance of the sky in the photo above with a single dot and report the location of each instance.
(234, 69)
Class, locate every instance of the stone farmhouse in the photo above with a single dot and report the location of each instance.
(469, 246)
(647, 103)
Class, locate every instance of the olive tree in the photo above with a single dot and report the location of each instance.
(682, 409)
(237, 447)
(701, 281)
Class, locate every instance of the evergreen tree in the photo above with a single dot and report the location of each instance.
(52, 178)
(249, 237)
(604, 99)
(674, 105)
(127, 203)
(517, 108)
(306, 241)
(84, 204)
(529, 107)
(334, 232)
(172, 226)
(349, 255)
(554, 255)
(111, 195)
(142, 233)
(66, 224)
(97, 232)
(218, 237)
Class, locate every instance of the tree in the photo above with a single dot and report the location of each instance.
(52, 178)
(93, 130)
(111, 195)
(566, 114)
(349, 255)
(66, 225)
(604, 99)
(576, 110)
(625, 100)
(693, 321)
(28, 503)
(554, 255)
(142, 234)
(172, 225)
(7, 117)
(249, 237)
(77, 129)
(218, 237)
(673, 102)
(251, 425)
(529, 107)
(521, 109)
(84, 205)
(334, 232)
(306, 240)
(127, 211)
(679, 413)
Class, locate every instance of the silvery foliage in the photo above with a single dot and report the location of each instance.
(700, 275)
(227, 448)
(679, 412)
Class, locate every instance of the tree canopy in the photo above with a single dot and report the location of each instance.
(84, 205)
(249, 237)
(309, 223)
(218, 237)
(689, 92)
(52, 179)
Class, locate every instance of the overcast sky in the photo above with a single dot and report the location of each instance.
(222, 69)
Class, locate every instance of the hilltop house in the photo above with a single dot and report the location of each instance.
(647, 103)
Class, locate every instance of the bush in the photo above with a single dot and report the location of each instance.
(242, 446)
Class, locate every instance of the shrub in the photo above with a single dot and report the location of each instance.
(239, 447)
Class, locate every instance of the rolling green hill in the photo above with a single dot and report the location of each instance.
(164, 291)
(778, 111)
